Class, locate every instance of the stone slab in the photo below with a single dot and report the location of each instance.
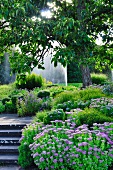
(14, 119)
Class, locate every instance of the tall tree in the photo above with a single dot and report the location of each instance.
(75, 25)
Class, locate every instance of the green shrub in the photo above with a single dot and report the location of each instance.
(66, 96)
(29, 81)
(90, 93)
(67, 106)
(25, 159)
(10, 107)
(108, 89)
(90, 116)
(105, 105)
(43, 94)
(40, 116)
(6, 90)
(6, 99)
(99, 78)
(81, 104)
(57, 114)
(46, 104)
(2, 107)
(29, 104)
(14, 98)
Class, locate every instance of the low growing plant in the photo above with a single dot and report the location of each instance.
(90, 93)
(57, 114)
(39, 117)
(29, 104)
(66, 106)
(105, 105)
(90, 116)
(108, 89)
(25, 159)
(66, 96)
(43, 94)
(46, 104)
(2, 107)
(6, 90)
(6, 99)
(10, 107)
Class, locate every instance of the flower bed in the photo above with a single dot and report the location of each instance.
(63, 146)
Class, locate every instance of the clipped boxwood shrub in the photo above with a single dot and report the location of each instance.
(99, 78)
(90, 116)
(43, 93)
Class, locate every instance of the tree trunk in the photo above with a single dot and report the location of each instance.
(86, 77)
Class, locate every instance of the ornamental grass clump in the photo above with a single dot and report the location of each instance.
(63, 146)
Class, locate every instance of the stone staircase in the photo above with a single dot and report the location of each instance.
(9, 142)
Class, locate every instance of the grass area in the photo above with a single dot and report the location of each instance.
(75, 84)
(78, 85)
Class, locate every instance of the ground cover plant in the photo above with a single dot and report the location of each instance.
(104, 104)
(108, 88)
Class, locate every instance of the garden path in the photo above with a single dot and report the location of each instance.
(13, 119)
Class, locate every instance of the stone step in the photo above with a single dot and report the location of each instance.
(8, 150)
(10, 133)
(4, 141)
(8, 159)
(11, 126)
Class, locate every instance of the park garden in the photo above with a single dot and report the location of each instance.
(72, 125)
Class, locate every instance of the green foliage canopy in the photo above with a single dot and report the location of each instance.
(75, 25)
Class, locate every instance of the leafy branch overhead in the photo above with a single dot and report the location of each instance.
(75, 25)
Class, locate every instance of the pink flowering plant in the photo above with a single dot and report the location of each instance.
(62, 145)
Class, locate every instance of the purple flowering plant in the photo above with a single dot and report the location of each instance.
(25, 159)
(62, 145)
(104, 104)
(29, 105)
